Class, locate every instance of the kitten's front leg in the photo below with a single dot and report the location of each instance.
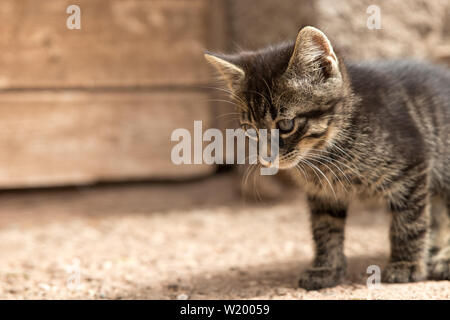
(409, 235)
(329, 266)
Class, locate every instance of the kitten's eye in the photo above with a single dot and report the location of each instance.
(249, 131)
(285, 125)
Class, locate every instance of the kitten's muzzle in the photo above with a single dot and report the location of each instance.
(269, 162)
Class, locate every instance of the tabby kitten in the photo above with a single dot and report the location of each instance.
(367, 129)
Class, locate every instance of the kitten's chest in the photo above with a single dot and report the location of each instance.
(333, 181)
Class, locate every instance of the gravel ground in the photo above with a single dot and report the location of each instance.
(193, 240)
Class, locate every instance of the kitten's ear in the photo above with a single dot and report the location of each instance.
(313, 55)
(230, 72)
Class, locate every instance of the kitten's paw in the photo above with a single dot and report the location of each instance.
(318, 278)
(439, 267)
(402, 272)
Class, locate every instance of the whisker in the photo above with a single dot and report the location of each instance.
(320, 171)
(299, 167)
(330, 161)
(245, 176)
(332, 172)
(228, 115)
(227, 101)
(234, 95)
(318, 177)
(255, 186)
(354, 170)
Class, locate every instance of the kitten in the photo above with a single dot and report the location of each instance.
(366, 129)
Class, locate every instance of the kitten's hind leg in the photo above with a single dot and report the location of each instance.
(329, 266)
(439, 260)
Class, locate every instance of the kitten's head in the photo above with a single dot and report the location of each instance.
(298, 88)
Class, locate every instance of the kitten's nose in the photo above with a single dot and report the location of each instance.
(268, 162)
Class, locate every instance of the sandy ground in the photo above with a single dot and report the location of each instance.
(193, 240)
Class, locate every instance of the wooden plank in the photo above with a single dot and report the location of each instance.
(74, 137)
(121, 43)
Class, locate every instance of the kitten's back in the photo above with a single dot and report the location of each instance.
(412, 101)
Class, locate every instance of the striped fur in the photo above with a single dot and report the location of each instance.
(378, 129)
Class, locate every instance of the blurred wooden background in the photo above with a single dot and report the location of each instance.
(100, 103)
